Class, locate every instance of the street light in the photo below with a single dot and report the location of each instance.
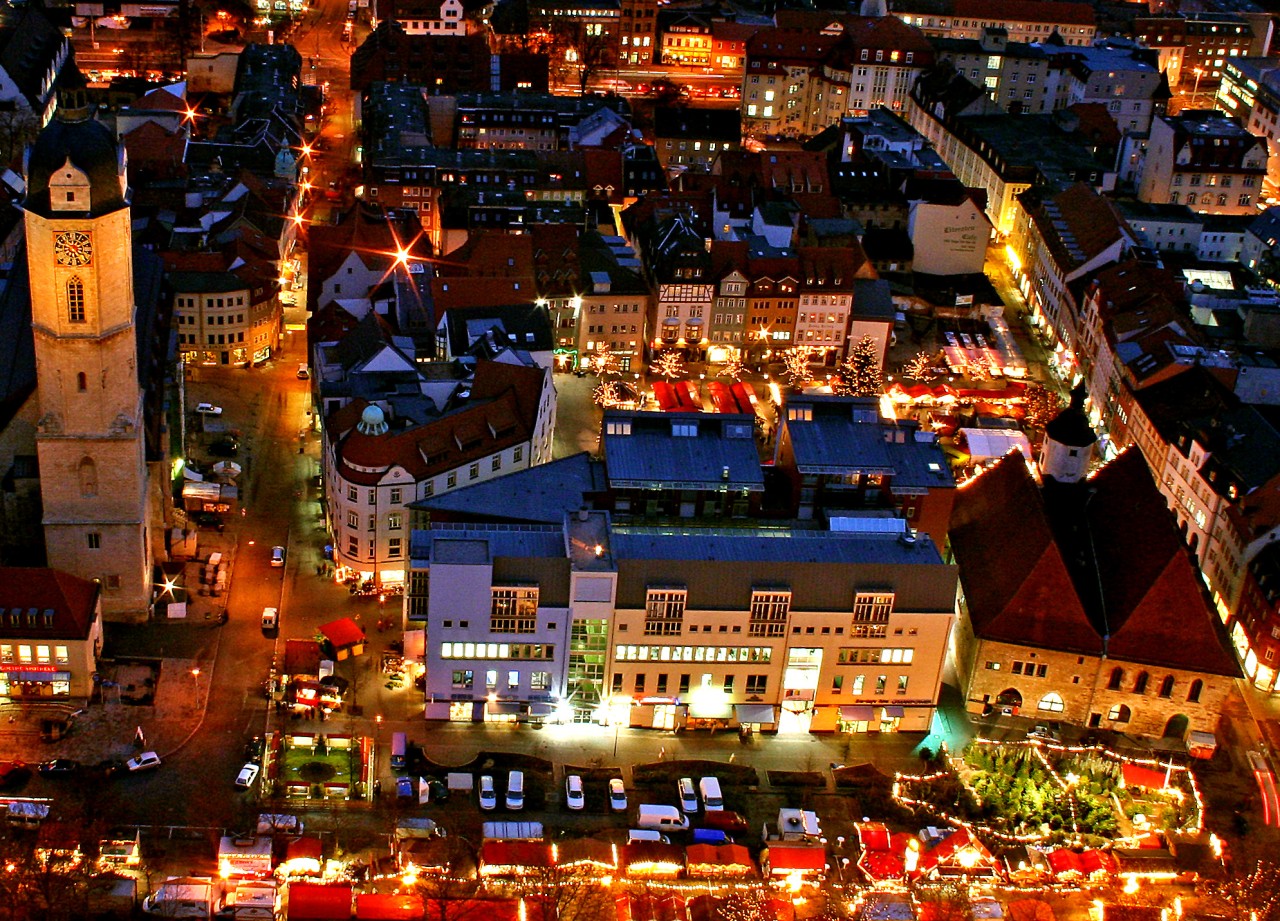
(195, 675)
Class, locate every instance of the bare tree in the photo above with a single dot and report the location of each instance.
(796, 366)
(733, 369)
(560, 893)
(582, 48)
(1253, 896)
(448, 889)
(668, 364)
(921, 367)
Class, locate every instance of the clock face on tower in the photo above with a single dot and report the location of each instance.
(73, 248)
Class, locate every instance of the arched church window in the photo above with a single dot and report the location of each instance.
(75, 299)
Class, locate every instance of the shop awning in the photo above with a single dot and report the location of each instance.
(895, 712)
(857, 714)
(343, 632)
(755, 713)
(711, 710)
(510, 707)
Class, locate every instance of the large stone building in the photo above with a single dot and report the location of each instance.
(1079, 602)
(95, 343)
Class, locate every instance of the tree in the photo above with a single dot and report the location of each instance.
(604, 361)
(668, 364)
(795, 368)
(860, 374)
(1041, 405)
(732, 369)
(446, 894)
(560, 893)
(606, 394)
(584, 48)
(950, 900)
(1254, 896)
(922, 367)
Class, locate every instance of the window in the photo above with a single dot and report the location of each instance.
(6, 653)
(757, 684)
(769, 610)
(75, 300)
(491, 678)
(881, 681)
(473, 472)
(82, 382)
(617, 683)
(1119, 714)
(872, 608)
(837, 683)
(664, 611)
(540, 681)
(1051, 703)
(394, 521)
(728, 684)
(353, 519)
(496, 463)
(1166, 686)
(1193, 695)
(24, 654)
(88, 472)
(1117, 677)
(662, 683)
(858, 681)
(513, 680)
(42, 655)
(452, 479)
(353, 494)
(513, 610)
(902, 683)
(639, 684)
(95, 540)
(394, 496)
(1140, 684)
(464, 680)
(393, 547)
(684, 684)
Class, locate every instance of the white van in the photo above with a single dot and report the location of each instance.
(688, 796)
(515, 790)
(488, 797)
(303, 373)
(712, 800)
(399, 750)
(662, 818)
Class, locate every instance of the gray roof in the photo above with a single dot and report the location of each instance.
(541, 494)
(872, 299)
(721, 455)
(847, 435)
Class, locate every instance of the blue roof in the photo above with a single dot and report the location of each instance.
(847, 435)
(720, 454)
(777, 545)
(479, 544)
(542, 493)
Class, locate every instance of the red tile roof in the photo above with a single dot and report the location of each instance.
(1015, 582)
(1130, 588)
(502, 412)
(74, 602)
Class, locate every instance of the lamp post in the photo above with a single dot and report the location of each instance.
(195, 679)
(1195, 92)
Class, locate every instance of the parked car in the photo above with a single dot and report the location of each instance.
(270, 618)
(208, 409)
(617, 795)
(147, 761)
(277, 557)
(573, 795)
(488, 793)
(253, 749)
(688, 795)
(59, 767)
(405, 788)
(248, 774)
(12, 772)
(726, 821)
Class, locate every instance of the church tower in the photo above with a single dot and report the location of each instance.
(90, 440)
(1068, 442)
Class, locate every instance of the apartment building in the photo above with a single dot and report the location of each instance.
(1022, 20)
(1203, 159)
(1250, 93)
(381, 454)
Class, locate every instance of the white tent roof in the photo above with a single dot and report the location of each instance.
(993, 443)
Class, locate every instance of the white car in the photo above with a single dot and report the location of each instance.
(147, 761)
(248, 774)
(488, 793)
(277, 557)
(270, 619)
(688, 795)
(208, 409)
(617, 795)
(573, 795)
